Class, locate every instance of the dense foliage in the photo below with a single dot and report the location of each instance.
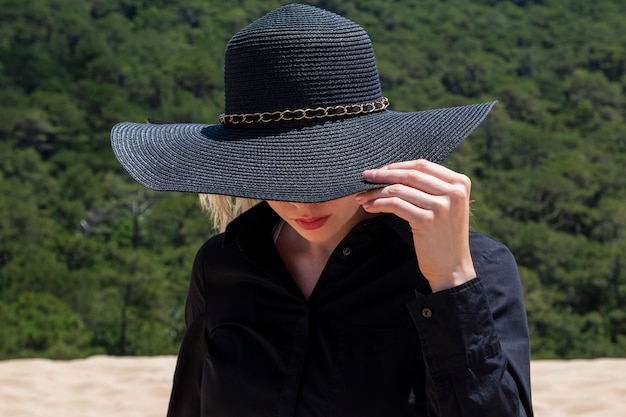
(91, 262)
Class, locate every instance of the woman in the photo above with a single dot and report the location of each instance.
(355, 287)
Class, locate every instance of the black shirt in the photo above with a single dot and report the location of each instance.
(370, 341)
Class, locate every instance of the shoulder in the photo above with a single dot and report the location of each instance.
(214, 252)
(483, 246)
(491, 256)
(213, 245)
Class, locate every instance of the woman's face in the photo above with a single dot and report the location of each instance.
(329, 221)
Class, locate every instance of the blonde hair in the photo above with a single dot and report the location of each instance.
(224, 208)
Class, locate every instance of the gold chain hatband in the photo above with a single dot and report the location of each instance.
(316, 113)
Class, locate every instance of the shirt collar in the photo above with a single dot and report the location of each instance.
(259, 219)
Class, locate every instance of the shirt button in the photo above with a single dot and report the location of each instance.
(347, 251)
(427, 313)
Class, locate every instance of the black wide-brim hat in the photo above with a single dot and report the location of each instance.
(304, 117)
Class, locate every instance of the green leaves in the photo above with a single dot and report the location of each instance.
(39, 324)
(106, 262)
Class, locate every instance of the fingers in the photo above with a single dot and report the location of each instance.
(417, 182)
(421, 192)
(405, 202)
(395, 195)
(396, 172)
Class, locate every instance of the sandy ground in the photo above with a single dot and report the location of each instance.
(103, 386)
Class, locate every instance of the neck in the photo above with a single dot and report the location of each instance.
(304, 260)
(293, 243)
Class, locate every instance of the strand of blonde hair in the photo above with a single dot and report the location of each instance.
(222, 209)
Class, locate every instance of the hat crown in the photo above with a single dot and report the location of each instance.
(299, 57)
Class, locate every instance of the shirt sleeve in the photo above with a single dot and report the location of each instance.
(185, 398)
(475, 340)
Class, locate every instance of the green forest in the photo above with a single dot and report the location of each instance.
(93, 263)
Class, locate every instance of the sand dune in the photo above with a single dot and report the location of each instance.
(590, 388)
(103, 386)
(94, 387)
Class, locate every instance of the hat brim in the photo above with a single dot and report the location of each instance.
(313, 163)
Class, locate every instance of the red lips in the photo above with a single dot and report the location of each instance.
(312, 223)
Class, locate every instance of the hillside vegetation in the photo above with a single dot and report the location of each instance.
(91, 262)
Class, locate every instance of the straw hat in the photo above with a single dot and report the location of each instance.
(304, 116)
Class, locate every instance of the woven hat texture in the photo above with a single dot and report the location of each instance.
(296, 60)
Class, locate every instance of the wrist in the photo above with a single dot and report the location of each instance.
(453, 279)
